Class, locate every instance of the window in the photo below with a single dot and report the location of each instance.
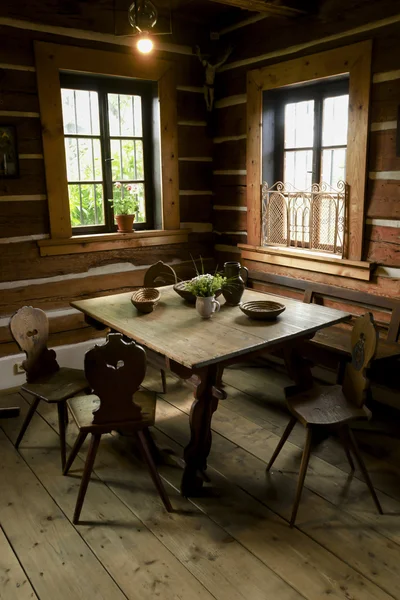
(304, 144)
(108, 139)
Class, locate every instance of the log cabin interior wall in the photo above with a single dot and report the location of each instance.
(268, 42)
(51, 282)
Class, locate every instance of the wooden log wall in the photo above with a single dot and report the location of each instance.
(52, 282)
(260, 44)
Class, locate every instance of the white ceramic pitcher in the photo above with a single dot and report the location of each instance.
(207, 306)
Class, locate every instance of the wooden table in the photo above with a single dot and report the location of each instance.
(195, 349)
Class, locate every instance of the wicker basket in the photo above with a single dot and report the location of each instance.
(146, 299)
(262, 310)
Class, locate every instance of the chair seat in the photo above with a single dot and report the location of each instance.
(82, 408)
(325, 405)
(58, 386)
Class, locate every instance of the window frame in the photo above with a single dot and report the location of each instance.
(106, 85)
(354, 61)
(50, 60)
(276, 101)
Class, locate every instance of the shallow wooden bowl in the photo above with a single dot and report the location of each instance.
(263, 310)
(146, 299)
(184, 293)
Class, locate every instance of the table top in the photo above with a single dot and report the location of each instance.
(175, 329)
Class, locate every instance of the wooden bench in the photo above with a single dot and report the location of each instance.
(336, 340)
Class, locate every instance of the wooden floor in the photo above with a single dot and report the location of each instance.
(233, 543)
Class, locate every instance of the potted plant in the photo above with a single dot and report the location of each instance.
(125, 204)
(204, 287)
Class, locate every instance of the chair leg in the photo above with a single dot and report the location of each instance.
(90, 458)
(153, 471)
(282, 441)
(346, 446)
(66, 414)
(163, 381)
(61, 407)
(302, 475)
(77, 446)
(28, 418)
(363, 468)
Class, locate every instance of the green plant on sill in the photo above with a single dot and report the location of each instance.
(125, 201)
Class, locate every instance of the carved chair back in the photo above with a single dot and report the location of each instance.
(159, 274)
(115, 371)
(364, 340)
(30, 329)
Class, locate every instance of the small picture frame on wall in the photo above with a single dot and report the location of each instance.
(9, 164)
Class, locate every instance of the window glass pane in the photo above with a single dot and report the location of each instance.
(333, 167)
(127, 159)
(83, 159)
(86, 204)
(125, 115)
(298, 168)
(80, 112)
(130, 197)
(299, 124)
(335, 116)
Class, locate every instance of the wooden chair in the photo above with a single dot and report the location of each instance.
(335, 406)
(115, 371)
(45, 380)
(158, 275)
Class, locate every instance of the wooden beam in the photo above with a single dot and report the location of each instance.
(263, 7)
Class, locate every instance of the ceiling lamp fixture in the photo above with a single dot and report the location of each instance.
(142, 15)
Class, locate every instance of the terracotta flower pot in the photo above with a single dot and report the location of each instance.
(125, 223)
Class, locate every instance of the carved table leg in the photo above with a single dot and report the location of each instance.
(196, 452)
(298, 369)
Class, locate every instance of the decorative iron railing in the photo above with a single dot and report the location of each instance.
(314, 218)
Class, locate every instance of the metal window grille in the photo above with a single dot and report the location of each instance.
(314, 218)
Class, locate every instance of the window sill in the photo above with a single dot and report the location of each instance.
(307, 261)
(112, 241)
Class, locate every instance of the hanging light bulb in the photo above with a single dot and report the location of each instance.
(144, 44)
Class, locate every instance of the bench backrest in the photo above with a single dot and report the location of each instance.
(312, 292)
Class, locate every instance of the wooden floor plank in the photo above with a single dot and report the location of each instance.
(55, 558)
(257, 393)
(139, 563)
(14, 584)
(221, 564)
(334, 529)
(312, 570)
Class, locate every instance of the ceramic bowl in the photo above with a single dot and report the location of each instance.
(262, 310)
(146, 299)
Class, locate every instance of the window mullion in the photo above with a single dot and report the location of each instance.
(317, 138)
(107, 162)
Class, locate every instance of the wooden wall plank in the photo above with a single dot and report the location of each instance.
(382, 155)
(385, 100)
(382, 245)
(230, 238)
(191, 106)
(230, 220)
(29, 134)
(230, 155)
(231, 120)
(203, 145)
(21, 261)
(231, 195)
(195, 176)
(23, 218)
(383, 200)
(196, 209)
(30, 181)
